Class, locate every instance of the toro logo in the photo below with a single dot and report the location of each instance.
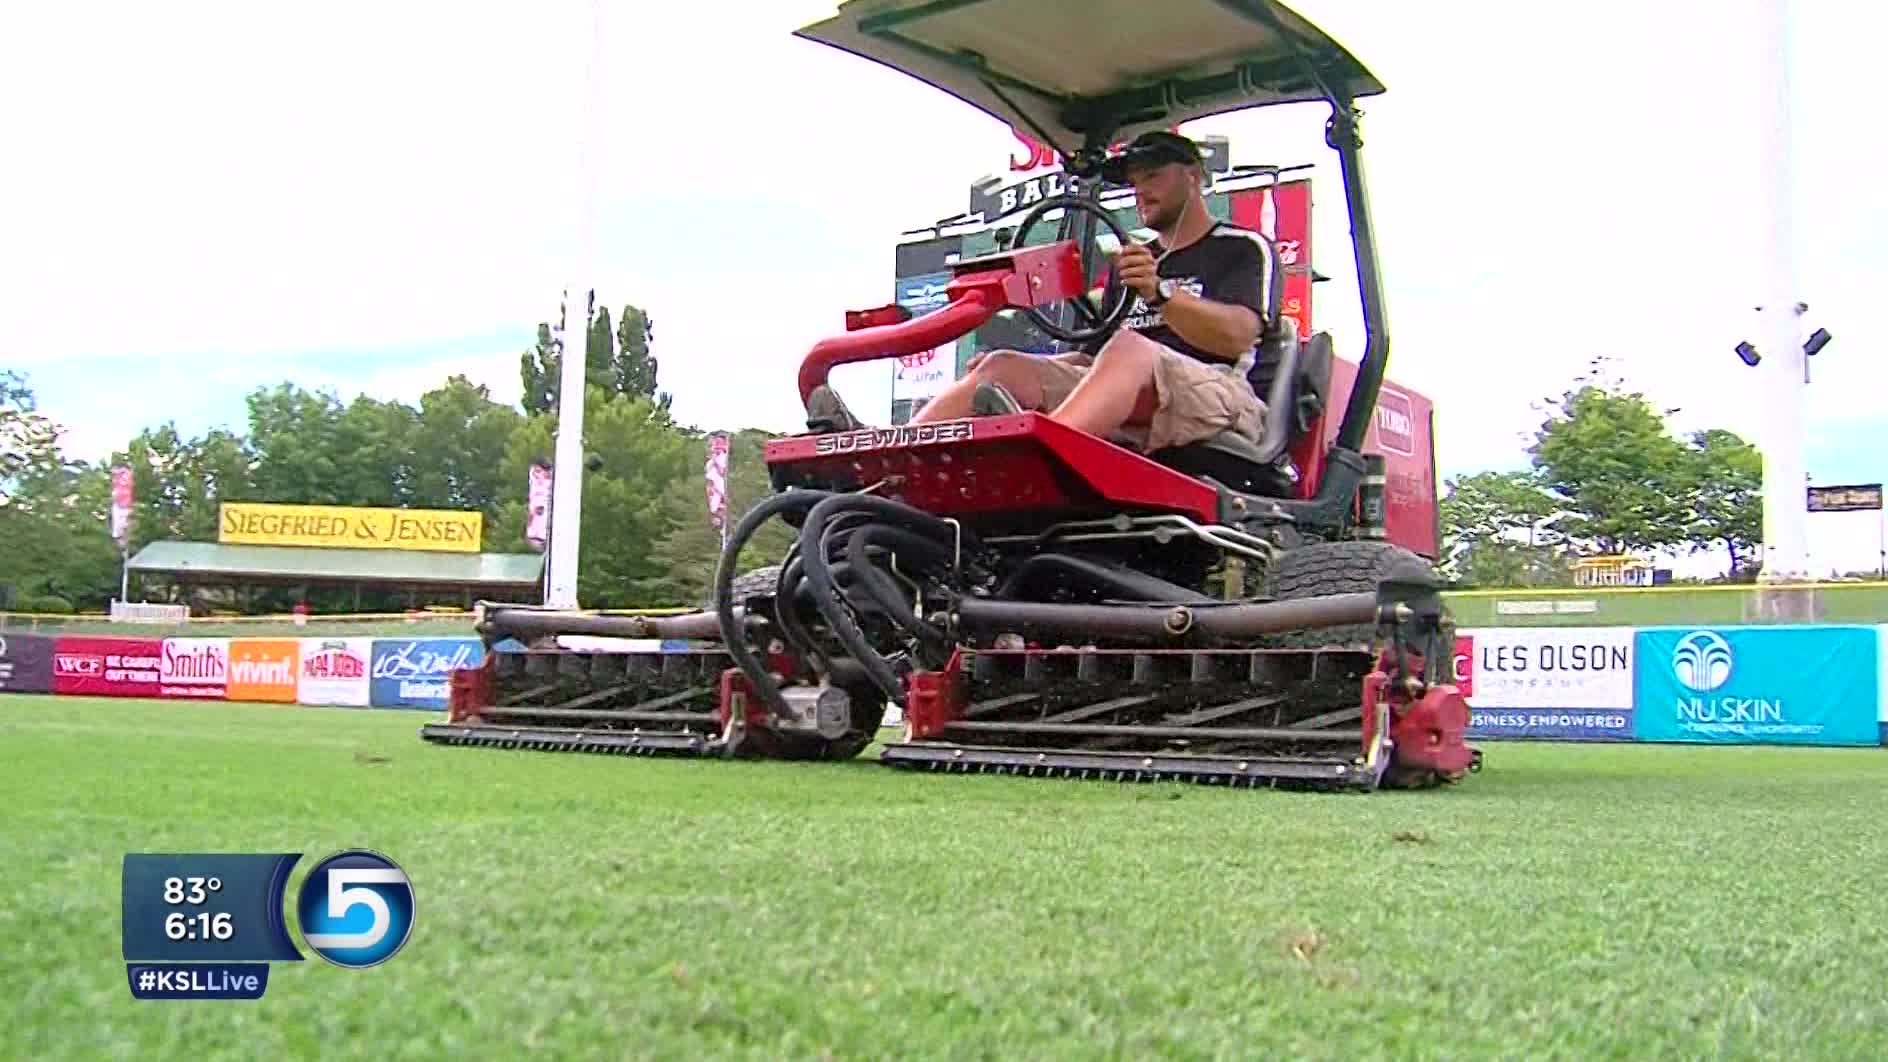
(1396, 422)
(922, 358)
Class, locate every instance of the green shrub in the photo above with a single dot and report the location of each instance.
(43, 604)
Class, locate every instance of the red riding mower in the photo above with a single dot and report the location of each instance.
(1034, 599)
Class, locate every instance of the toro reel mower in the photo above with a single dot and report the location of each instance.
(1034, 599)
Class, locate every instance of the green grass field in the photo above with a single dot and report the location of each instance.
(1571, 902)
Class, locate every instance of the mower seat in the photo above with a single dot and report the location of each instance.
(1263, 467)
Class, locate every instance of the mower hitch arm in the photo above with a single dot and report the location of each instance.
(1018, 279)
(957, 318)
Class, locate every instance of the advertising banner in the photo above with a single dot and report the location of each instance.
(537, 524)
(925, 374)
(431, 530)
(334, 671)
(106, 667)
(415, 672)
(1282, 213)
(1542, 682)
(121, 498)
(194, 668)
(1762, 684)
(264, 669)
(25, 663)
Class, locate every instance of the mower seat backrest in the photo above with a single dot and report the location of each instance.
(1302, 399)
(1279, 353)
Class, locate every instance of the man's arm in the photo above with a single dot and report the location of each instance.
(1229, 319)
(1226, 329)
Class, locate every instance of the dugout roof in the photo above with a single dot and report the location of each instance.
(207, 562)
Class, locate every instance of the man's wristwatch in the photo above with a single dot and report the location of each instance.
(1163, 290)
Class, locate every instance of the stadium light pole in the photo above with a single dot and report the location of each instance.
(567, 470)
(1783, 368)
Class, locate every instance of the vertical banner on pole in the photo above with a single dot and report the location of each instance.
(537, 524)
(121, 525)
(716, 472)
(121, 505)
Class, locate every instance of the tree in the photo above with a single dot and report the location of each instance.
(58, 537)
(689, 550)
(1724, 490)
(458, 448)
(1605, 454)
(29, 442)
(616, 361)
(299, 447)
(1483, 518)
(635, 367)
(537, 372)
(639, 451)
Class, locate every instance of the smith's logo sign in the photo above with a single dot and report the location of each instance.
(858, 442)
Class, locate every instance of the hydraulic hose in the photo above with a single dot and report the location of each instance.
(905, 545)
(1132, 585)
(825, 593)
(731, 633)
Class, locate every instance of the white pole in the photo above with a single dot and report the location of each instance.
(567, 472)
(1781, 372)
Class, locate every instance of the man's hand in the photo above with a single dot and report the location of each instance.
(1137, 269)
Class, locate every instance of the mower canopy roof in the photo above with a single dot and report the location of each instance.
(1073, 71)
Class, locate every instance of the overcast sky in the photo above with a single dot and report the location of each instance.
(204, 198)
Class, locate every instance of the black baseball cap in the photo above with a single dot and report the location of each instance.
(1156, 147)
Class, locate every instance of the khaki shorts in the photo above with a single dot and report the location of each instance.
(1194, 401)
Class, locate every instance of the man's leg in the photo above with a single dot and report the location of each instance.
(1118, 391)
(1033, 381)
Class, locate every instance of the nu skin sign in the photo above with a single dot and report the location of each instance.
(1773, 685)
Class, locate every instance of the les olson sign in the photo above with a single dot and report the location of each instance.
(1563, 684)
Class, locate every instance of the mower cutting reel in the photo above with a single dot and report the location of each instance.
(1036, 600)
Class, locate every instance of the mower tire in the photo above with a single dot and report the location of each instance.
(759, 582)
(1320, 569)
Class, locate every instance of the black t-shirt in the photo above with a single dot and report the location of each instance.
(1228, 264)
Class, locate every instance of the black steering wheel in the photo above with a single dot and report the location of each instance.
(1115, 294)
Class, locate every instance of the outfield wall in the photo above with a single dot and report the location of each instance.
(353, 672)
(1792, 684)
(1672, 606)
(1807, 684)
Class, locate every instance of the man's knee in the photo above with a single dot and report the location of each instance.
(998, 364)
(1127, 351)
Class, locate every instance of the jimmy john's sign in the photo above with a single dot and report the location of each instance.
(346, 527)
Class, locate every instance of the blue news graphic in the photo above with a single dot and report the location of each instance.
(1742, 685)
(205, 907)
(415, 672)
(356, 908)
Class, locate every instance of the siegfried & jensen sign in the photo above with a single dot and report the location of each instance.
(442, 530)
